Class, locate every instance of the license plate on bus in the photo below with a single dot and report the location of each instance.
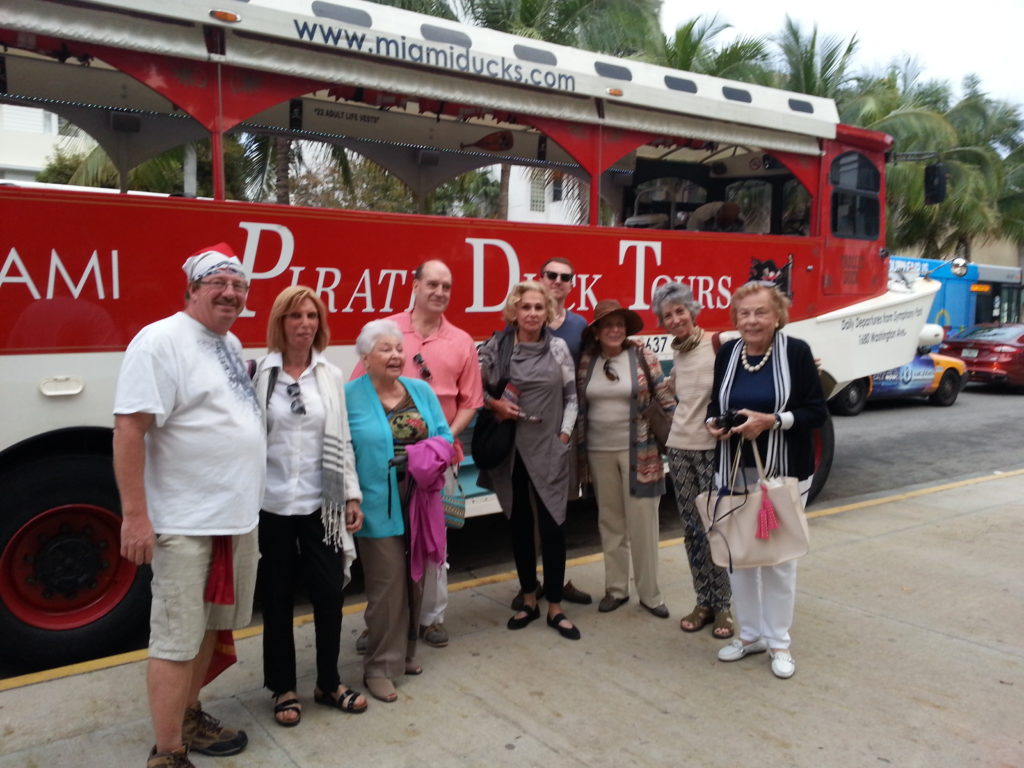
(968, 353)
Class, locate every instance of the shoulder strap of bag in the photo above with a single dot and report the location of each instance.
(757, 460)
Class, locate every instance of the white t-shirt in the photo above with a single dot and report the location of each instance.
(206, 452)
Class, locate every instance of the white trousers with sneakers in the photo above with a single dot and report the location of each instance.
(763, 601)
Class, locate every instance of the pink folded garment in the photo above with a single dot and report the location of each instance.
(427, 540)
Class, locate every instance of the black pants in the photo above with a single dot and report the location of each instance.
(552, 537)
(290, 545)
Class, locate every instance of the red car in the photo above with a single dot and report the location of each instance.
(994, 354)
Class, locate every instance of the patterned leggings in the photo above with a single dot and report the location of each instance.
(692, 473)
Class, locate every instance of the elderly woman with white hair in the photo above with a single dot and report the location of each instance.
(691, 451)
(388, 412)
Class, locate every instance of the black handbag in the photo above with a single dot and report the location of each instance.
(492, 439)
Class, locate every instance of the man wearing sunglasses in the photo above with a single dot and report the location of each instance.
(558, 276)
(190, 463)
(445, 357)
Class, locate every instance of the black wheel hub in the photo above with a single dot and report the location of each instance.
(69, 562)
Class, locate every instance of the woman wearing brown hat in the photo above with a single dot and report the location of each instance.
(622, 455)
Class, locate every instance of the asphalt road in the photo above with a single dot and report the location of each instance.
(910, 442)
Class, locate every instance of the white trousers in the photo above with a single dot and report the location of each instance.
(435, 594)
(763, 601)
(628, 526)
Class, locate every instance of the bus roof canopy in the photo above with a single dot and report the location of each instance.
(390, 51)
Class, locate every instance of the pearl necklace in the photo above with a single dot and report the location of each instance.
(755, 368)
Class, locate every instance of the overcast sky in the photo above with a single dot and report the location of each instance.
(948, 40)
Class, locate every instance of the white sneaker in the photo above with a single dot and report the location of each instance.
(736, 650)
(783, 665)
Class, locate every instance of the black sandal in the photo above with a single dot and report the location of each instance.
(346, 702)
(288, 705)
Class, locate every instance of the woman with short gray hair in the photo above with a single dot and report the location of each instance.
(388, 414)
(691, 451)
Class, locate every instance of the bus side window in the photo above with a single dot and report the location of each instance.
(754, 197)
(796, 208)
(855, 197)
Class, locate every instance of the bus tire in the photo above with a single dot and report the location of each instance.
(851, 399)
(66, 594)
(947, 391)
(824, 438)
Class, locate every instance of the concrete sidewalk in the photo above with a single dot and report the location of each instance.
(909, 642)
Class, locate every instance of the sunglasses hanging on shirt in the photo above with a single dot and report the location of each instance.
(298, 407)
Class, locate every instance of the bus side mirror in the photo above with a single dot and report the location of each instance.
(934, 183)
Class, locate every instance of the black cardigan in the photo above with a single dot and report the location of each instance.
(806, 402)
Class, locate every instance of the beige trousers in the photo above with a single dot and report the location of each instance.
(389, 606)
(628, 527)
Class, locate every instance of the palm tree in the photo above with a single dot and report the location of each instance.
(692, 49)
(813, 65)
(978, 140)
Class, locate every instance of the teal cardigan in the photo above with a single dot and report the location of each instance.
(374, 447)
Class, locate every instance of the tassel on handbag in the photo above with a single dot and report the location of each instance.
(766, 519)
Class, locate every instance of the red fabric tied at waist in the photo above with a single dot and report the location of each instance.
(220, 584)
(220, 590)
(766, 518)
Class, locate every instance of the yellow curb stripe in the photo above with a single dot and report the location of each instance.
(132, 657)
(915, 494)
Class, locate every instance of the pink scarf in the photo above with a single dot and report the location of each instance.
(427, 542)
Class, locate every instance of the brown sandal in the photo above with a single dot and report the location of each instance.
(698, 618)
(723, 628)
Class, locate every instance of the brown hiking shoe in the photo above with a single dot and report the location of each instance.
(176, 759)
(203, 733)
(435, 635)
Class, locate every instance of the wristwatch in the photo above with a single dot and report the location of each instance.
(778, 422)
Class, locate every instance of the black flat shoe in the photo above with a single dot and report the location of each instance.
(569, 633)
(532, 614)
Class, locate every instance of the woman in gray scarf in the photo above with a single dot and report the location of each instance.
(529, 376)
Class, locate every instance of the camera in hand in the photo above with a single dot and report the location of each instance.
(730, 419)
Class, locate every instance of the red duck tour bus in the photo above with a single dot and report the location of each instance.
(657, 150)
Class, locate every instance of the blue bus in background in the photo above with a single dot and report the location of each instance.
(969, 294)
(985, 294)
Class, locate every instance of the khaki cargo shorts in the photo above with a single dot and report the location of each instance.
(180, 616)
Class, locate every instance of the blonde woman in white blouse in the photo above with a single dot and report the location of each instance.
(311, 506)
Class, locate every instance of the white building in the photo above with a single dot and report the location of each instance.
(30, 138)
(532, 197)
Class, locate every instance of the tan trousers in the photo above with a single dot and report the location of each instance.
(392, 614)
(628, 526)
